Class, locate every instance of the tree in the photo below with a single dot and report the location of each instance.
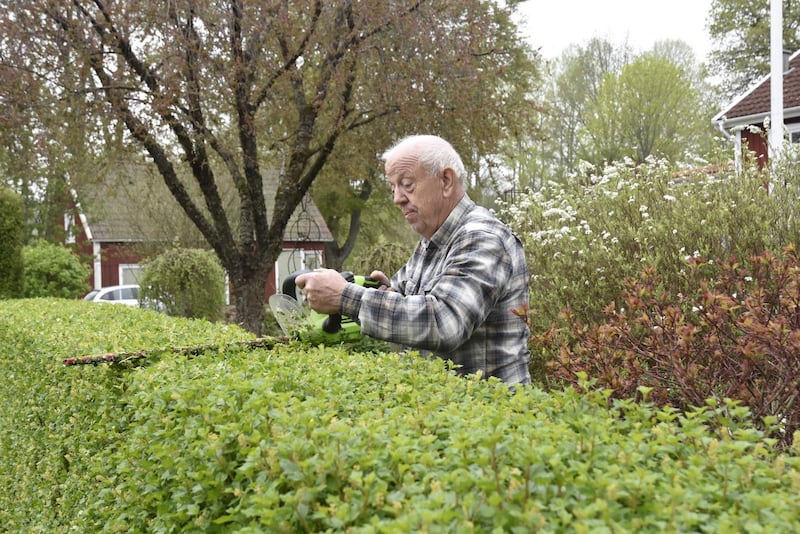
(217, 93)
(740, 30)
(476, 117)
(652, 108)
(658, 108)
(573, 86)
(11, 264)
(48, 145)
(53, 270)
(603, 103)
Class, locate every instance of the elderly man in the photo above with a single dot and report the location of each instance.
(455, 295)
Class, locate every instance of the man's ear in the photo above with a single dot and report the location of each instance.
(449, 181)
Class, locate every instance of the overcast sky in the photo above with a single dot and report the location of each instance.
(552, 25)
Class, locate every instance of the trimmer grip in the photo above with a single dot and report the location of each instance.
(289, 286)
(373, 283)
(333, 323)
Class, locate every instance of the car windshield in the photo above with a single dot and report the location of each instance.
(90, 295)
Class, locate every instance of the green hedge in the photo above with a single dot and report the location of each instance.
(313, 439)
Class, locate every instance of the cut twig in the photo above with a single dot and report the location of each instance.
(126, 356)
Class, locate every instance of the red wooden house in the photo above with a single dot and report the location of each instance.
(744, 119)
(118, 238)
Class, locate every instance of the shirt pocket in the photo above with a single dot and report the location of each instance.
(429, 286)
(409, 286)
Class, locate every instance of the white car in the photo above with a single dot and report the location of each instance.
(124, 294)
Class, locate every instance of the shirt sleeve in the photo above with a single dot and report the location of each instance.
(448, 306)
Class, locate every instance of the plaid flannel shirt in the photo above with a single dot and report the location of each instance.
(454, 297)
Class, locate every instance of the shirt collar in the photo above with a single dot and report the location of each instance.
(453, 221)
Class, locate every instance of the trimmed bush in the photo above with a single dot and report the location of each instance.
(53, 270)
(57, 421)
(309, 439)
(187, 282)
(11, 236)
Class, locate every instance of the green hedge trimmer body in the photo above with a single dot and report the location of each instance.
(298, 320)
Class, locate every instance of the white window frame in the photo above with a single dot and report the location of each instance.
(130, 267)
(793, 131)
(69, 229)
(293, 259)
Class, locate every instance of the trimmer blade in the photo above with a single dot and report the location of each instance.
(293, 318)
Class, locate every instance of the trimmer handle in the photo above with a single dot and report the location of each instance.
(334, 321)
(289, 285)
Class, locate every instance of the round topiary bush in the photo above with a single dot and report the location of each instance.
(11, 223)
(187, 282)
(53, 270)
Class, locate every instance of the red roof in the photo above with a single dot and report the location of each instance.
(752, 106)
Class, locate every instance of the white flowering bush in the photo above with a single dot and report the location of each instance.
(582, 242)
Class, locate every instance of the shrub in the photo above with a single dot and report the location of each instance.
(315, 439)
(57, 420)
(736, 336)
(582, 242)
(187, 282)
(53, 270)
(11, 236)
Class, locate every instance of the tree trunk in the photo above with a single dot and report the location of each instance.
(248, 296)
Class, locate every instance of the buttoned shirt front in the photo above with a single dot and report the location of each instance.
(454, 297)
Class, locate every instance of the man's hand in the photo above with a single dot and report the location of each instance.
(386, 285)
(323, 289)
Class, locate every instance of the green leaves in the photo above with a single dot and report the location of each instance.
(309, 439)
(53, 270)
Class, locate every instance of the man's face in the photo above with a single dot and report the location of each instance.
(420, 196)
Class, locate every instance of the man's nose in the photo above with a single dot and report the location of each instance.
(398, 197)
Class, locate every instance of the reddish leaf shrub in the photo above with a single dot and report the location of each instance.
(736, 336)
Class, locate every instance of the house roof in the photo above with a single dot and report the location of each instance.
(119, 217)
(306, 224)
(754, 105)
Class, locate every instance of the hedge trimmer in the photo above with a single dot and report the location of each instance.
(298, 320)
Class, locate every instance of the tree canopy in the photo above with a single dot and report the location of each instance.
(219, 94)
(741, 33)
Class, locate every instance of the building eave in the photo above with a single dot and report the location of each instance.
(756, 118)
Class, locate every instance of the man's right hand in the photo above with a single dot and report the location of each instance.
(386, 285)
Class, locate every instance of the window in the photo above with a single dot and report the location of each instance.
(69, 229)
(292, 260)
(130, 273)
(111, 295)
(129, 293)
(794, 132)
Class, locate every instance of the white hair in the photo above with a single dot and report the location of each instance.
(434, 155)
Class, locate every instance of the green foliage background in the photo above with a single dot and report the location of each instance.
(11, 235)
(582, 242)
(300, 439)
(387, 257)
(53, 270)
(187, 282)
